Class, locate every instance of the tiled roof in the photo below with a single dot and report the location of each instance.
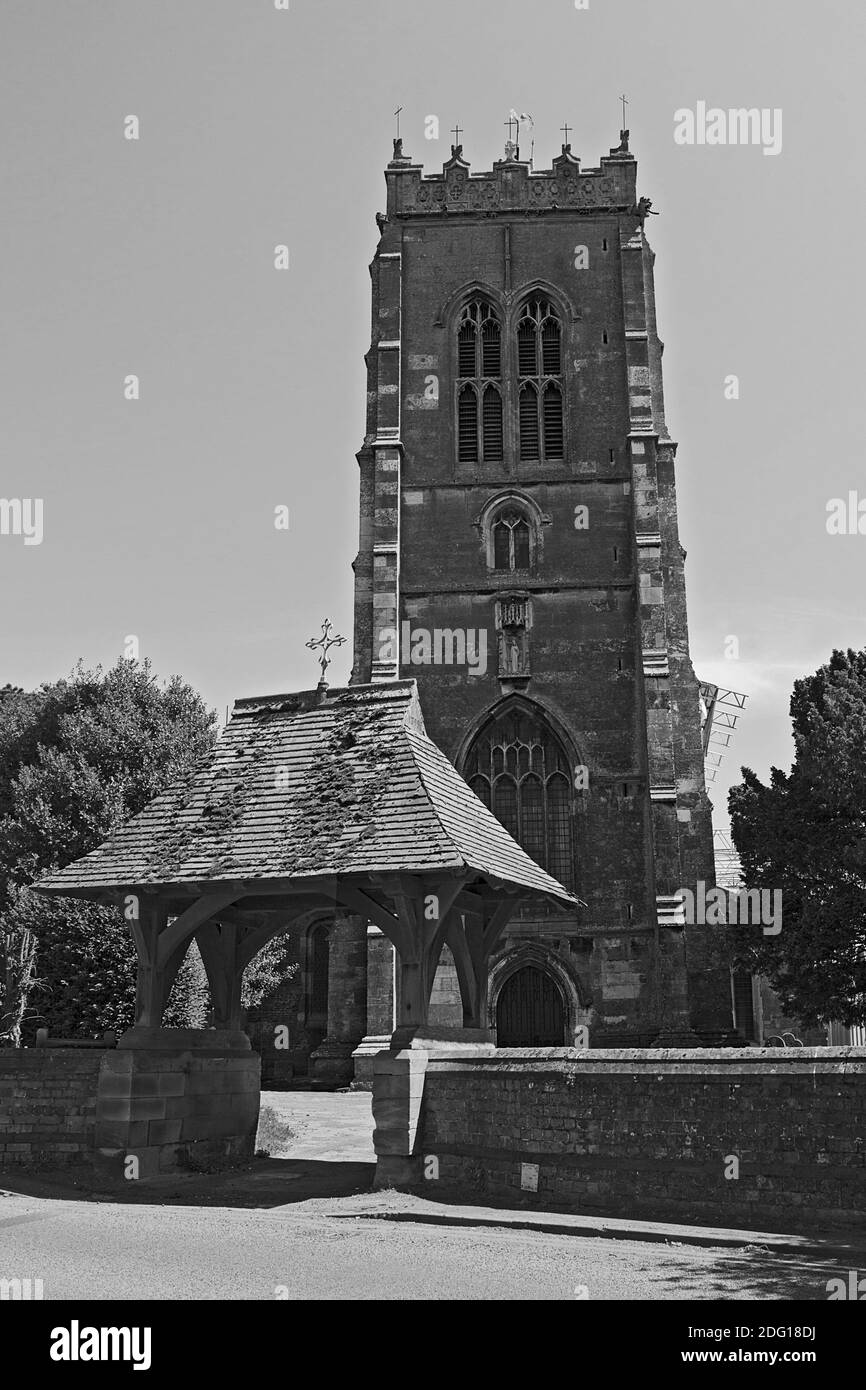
(298, 788)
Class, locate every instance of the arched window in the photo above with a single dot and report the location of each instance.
(479, 385)
(318, 963)
(539, 368)
(519, 769)
(512, 548)
(510, 525)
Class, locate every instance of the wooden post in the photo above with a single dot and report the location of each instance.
(465, 938)
(425, 915)
(218, 944)
(413, 986)
(146, 918)
(472, 939)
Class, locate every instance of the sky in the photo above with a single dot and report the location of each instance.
(261, 127)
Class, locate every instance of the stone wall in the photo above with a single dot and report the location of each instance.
(654, 1133)
(48, 1105)
(175, 1099)
(171, 1099)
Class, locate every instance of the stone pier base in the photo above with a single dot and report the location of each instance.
(398, 1092)
(332, 1064)
(364, 1057)
(172, 1099)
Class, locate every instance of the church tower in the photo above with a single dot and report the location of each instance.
(520, 558)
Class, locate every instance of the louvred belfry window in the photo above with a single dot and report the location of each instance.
(519, 769)
(539, 368)
(479, 386)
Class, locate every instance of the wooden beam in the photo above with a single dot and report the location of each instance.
(498, 921)
(469, 901)
(272, 907)
(189, 921)
(457, 944)
(258, 937)
(424, 933)
(372, 911)
(446, 895)
(409, 885)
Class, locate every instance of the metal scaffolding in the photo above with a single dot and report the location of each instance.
(722, 709)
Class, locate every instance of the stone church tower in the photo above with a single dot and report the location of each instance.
(520, 558)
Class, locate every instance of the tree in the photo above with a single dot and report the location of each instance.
(269, 969)
(17, 978)
(805, 833)
(77, 758)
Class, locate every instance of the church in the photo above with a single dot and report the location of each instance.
(520, 559)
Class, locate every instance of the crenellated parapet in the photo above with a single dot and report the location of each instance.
(512, 185)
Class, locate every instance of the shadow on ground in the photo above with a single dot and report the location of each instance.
(754, 1274)
(264, 1182)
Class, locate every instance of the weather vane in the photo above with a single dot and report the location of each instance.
(326, 642)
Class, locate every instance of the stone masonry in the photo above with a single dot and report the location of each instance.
(753, 1135)
(600, 656)
(171, 1100)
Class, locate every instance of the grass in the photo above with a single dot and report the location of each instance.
(273, 1135)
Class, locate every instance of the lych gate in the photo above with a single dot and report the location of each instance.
(312, 801)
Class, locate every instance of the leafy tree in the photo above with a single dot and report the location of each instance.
(188, 1003)
(267, 970)
(77, 758)
(17, 978)
(805, 833)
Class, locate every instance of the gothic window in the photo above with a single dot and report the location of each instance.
(318, 957)
(511, 540)
(519, 769)
(479, 385)
(539, 369)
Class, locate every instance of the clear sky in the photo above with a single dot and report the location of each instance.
(260, 127)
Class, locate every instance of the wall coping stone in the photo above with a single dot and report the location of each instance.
(707, 1061)
(204, 1041)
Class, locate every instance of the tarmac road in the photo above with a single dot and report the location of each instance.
(308, 1226)
(109, 1250)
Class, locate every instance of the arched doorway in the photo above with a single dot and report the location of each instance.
(318, 970)
(530, 1011)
